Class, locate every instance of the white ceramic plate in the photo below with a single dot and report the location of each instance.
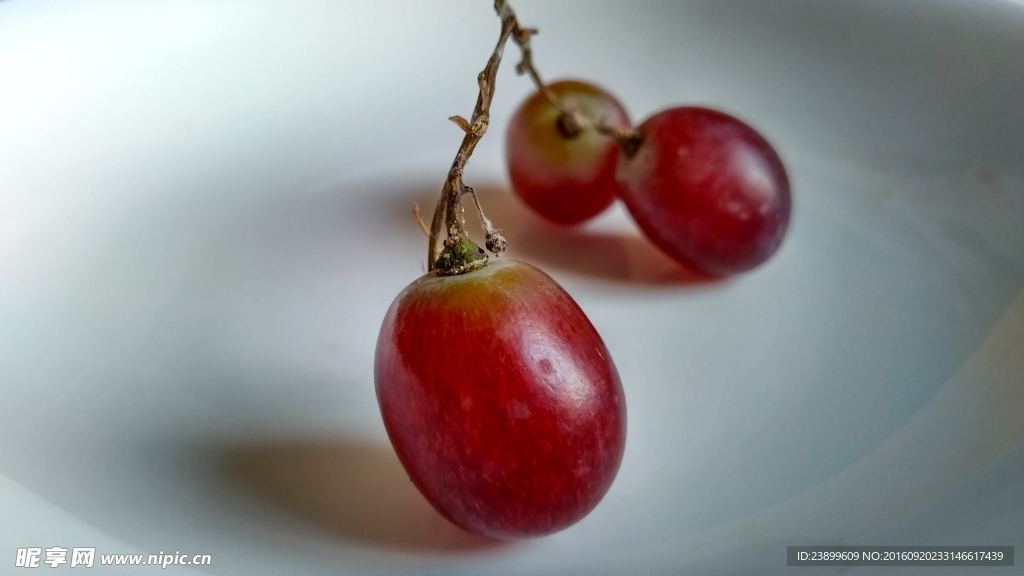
(204, 214)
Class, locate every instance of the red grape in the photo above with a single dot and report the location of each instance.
(566, 179)
(500, 399)
(707, 189)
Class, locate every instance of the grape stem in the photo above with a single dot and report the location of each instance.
(449, 214)
(572, 121)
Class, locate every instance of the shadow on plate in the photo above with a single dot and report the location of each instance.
(623, 256)
(357, 490)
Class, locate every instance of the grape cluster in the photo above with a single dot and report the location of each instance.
(499, 396)
(703, 186)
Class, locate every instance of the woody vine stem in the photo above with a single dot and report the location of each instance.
(460, 254)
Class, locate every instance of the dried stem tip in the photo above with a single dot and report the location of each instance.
(459, 258)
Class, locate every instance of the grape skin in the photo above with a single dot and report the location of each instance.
(707, 189)
(501, 400)
(566, 180)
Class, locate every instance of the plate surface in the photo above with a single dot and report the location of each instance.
(204, 214)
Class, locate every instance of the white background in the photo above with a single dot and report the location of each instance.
(204, 214)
